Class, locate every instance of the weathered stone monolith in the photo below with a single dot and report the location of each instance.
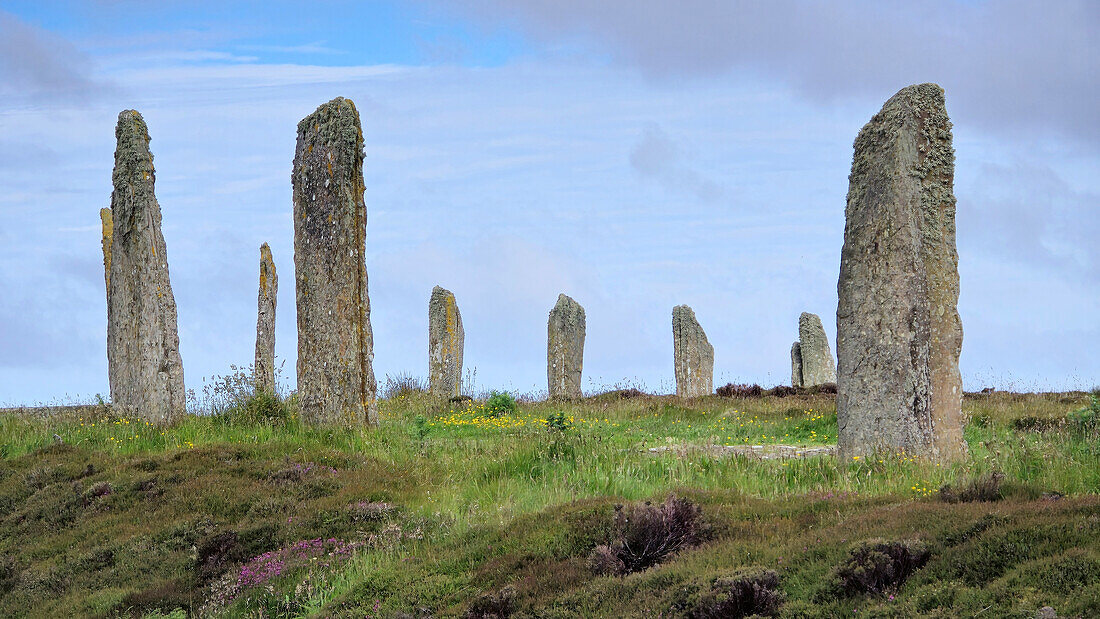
(796, 364)
(263, 372)
(694, 355)
(335, 344)
(898, 329)
(144, 366)
(818, 367)
(565, 348)
(446, 340)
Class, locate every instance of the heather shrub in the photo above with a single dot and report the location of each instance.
(311, 554)
(730, 390)
(879, 567)
(644, 535)
(985, 487)
(782, 391)
(823, 388)
(750, 592)
(97, 490)
(370, 511)
(493, 605)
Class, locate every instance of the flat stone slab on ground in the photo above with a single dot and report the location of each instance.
(761, 452)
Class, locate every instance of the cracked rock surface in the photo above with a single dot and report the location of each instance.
(898, 329)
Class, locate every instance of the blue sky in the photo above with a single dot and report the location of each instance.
(635, 155)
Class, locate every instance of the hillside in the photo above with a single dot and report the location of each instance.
(477, 509)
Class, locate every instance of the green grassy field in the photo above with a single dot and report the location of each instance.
(448, 509)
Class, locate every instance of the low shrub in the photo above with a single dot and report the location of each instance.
(500, 403)
(1086, 420)
(782, 391)
(1030, 423)
(984, 488)
(402, 386)
(750, 592)
(644, 535)
(730, 390)
(493, 605)
(879, 567)
(823, 388)
(559, 422)
(369, 511)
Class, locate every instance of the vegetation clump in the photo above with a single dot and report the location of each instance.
(644, 535)
(493, 604)
(751, 592)
(403, 386)
(879, 567)
(985, 488)
(730, 390)
(500, 403)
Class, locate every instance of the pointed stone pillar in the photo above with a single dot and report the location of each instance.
(335, 344)
(898, 329)
(144, 365)
(264, 367)
(694, 355)
(796, 364)
(446, 340)
(565, 348)
(818, 367)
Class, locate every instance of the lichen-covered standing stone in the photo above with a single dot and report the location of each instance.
(144, 366)
(565, 348)
(898, 329)
(818, 367)
(693, 354)
(335, 344)
(264, 368)
(446, 340)
(796, 364)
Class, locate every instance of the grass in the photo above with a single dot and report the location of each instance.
(121, 517)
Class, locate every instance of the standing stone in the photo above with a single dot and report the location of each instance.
(898, 329)
(335, 344)
(694, 355)
(264, 368)
(796, 365)
(446, 340)
(817, 358)
(565, 348)
(143, 357)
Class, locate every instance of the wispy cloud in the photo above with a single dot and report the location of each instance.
(656, 156)
(1012, 65)
(40, 68)
(316, 47)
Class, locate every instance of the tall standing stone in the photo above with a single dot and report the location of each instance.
(565, 348)
(818, 367)
(335, 344)
(264, 368)
(898, 329)
(693, 353)
(144, 365)
(446, 340)
(796, 364)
